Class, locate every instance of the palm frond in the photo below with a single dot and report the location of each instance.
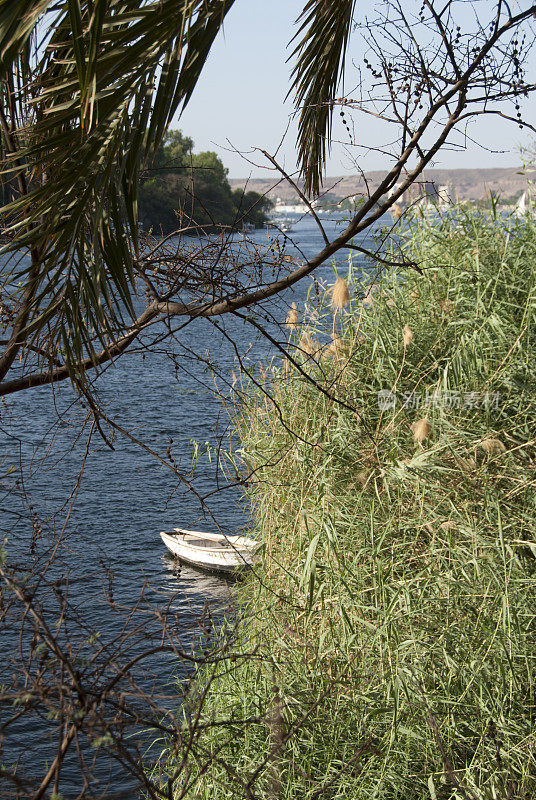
(105, 82)
(320, 53)
(17, 23)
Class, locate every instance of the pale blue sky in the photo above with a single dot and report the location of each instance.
(240, 98)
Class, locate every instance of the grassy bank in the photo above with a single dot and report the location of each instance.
(394, 618)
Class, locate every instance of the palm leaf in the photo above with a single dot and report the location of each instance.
(105, 83)
(18, 21)
(323, 37)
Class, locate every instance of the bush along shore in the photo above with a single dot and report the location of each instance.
(393, 620)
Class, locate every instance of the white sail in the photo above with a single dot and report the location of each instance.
(521, 206)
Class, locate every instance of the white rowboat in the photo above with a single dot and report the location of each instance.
(213, 551)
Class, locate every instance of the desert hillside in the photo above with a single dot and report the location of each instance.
(466, 184)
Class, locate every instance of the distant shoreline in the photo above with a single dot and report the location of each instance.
(467, 184)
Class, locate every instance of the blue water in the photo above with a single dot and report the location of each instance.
(108, 518)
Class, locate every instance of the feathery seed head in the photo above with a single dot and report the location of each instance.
(291, 321)
(307, 344)
(340, 295)
(407, 335)
(334, 348)
(491, 446)
(421, 430)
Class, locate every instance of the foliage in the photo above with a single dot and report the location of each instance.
(395, 617)
(324, 29)
(191, 190)
(87, 92)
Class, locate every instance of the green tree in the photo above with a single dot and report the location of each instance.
(209, 190)
(191, 190)
(162, 190)
(253, 205)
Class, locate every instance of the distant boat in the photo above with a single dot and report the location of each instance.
(521, 206)
(281, 224)
(212, 551)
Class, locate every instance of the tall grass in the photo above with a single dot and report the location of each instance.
(394, 616)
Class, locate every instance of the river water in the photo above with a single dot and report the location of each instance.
(126, 496)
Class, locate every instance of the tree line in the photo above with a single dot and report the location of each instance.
(187, 190)
(181, 188)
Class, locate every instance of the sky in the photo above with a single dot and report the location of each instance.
(239, 103)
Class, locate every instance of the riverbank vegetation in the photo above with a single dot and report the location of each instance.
(183, 189)
(393, 622)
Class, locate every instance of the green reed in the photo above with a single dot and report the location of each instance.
(393, 619)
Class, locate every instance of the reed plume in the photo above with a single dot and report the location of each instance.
(491, 446)
(421, 430)
(291, 321)
(340, 294)
(334, 348)
(307, 344)
(407, 335)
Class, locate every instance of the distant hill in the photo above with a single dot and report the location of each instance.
(466, 184)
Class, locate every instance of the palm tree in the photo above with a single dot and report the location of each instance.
(88, 89)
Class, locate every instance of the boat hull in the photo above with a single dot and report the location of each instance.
(217, 553)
